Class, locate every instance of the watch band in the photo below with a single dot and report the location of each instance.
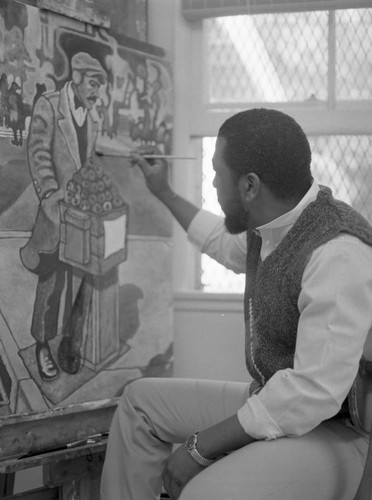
(190, 446)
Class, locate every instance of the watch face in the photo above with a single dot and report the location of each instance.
(190, 443)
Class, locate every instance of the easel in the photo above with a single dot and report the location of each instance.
(74, 474)
(68, 443)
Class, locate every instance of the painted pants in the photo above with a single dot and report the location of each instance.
(325, 464)
(49, 291)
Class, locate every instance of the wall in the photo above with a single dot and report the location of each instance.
(209, 336)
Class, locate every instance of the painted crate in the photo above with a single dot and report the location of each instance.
(94, 243)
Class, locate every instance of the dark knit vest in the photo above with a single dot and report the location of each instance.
(82, 137)
(273, 286)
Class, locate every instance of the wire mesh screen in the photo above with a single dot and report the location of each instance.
(353, 54)
(286, 57)
(343, 163)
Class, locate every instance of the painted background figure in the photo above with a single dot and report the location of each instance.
(62, 136)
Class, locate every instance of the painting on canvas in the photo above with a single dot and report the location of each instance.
(84, 10)
(85, 289)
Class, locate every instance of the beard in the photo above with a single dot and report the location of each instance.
(236, 223)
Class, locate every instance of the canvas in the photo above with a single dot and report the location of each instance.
(123, 17)
(85, 289)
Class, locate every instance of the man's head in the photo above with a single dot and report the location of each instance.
(262, 163)
(87, 77)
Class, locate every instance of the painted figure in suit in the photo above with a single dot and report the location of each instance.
(62, 136)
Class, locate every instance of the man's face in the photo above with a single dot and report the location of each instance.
(88, 90)
(236, 217)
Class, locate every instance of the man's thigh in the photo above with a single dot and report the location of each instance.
(176, 408)
(325, 464)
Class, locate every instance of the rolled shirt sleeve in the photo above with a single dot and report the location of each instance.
(335, 318)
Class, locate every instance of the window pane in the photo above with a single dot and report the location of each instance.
(354, 54)
(267, 58)
(217, 279)
(343, 163)
(214, 277)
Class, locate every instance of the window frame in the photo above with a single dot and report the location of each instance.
(343, 117)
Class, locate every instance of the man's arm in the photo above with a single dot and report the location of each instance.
(335, 317)
(207, 231)
(39, 149)
(156, 177)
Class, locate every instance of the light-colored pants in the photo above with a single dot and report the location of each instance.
(325, 464)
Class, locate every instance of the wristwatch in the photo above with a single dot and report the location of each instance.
(190, 446)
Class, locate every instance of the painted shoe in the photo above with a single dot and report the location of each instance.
(48, 370)
(68, 356)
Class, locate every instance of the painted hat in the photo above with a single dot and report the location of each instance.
(84, 62)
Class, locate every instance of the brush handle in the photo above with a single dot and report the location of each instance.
(147, 157)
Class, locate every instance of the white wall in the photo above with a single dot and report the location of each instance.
(209, 337)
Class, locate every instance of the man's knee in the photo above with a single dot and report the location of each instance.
(138, 391)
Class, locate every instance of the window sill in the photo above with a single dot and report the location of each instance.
(206, 301)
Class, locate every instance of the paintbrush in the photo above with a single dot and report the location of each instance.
(146, 156)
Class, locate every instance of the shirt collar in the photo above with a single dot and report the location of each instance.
(80, 113)
(274, 231)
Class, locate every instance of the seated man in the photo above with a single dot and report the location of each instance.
(308, 297)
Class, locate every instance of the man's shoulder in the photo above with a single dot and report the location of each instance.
(346, 242)
(46, 100)
(50, 102)
(344, 252)
(54, 96)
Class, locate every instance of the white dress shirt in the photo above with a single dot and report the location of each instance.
(335, 305)
(80, 113)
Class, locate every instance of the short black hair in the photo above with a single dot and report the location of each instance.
(272, 145)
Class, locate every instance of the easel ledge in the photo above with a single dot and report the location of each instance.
(32, 433)
(69, 443)
(69, 473)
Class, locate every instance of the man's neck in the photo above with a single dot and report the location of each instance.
(272, 208)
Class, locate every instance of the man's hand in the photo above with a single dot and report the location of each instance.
(154, 170)
(178, 471)
(216, 441)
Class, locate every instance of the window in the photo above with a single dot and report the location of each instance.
(317, 67)
(294, 57)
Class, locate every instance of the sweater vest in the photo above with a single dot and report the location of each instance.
(273, 286)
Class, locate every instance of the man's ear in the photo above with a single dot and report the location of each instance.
(249, 186)
(77, 77)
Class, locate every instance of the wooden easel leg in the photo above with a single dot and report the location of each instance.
(85, 488)
(70, 490)
(7, 484)
(77, 479)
